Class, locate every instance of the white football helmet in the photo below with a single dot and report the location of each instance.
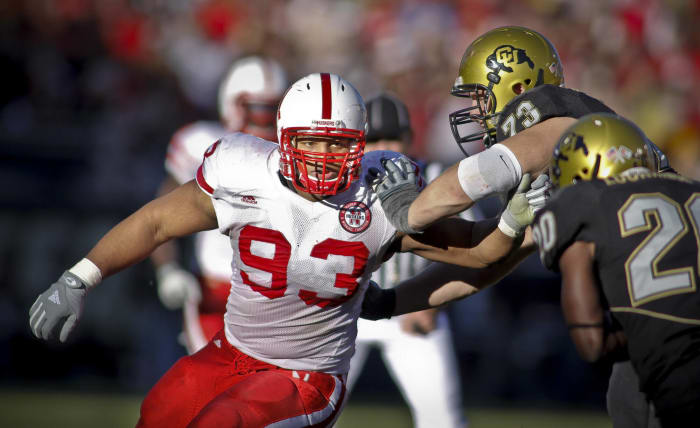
(249, 95)
(325, 105)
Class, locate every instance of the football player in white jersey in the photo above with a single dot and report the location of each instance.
(248, 99)
(307, 232)
(417, 347)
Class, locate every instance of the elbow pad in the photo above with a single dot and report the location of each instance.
(495, 170)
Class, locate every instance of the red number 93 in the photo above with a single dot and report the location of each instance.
(277, 265)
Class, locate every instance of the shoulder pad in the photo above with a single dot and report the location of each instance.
(232, 159)
(564, 219)
(542, 103)
(372, 161)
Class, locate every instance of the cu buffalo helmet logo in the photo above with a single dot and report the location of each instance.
(578, 143)
(502, 59)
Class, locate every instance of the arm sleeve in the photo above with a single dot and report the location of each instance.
(493, 171)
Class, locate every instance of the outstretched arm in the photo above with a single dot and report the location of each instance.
(185, 210)
(440, 284)
(166, 253)
(460, 242)
(175, 284)
(476, 244)
(495, 170)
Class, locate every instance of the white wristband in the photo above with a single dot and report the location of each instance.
(508, 230)
(88, 272)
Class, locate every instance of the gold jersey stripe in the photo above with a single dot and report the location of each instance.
(657, 315)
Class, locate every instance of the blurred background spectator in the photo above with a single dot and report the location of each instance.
(93, 90)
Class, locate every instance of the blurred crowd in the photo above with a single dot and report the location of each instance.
(93, 90)
(151, 64)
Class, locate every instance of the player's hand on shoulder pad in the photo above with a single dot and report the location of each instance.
(378, 303)
(518, 213)
(539, 193)
(176, 285)
(396, 188)
(58, 309)
(400, 175)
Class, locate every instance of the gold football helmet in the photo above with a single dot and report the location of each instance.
(597, 146)
(496, 67)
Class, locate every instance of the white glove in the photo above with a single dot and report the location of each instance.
(518, 214)
(175, 285)
(539, 192)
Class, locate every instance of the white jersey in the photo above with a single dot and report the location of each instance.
(300, 268)
(185, 152)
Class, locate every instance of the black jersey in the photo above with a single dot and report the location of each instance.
(646, 230)
(541, 103)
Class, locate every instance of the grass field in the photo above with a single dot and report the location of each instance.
(53, 409)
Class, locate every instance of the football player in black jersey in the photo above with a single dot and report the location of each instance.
(514, 79)
(512, 75)
(626, 242)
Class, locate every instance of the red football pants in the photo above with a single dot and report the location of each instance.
(220, 386)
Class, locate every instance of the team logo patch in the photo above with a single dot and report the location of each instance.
(355, 217)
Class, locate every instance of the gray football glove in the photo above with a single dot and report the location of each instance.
(58, 308)
(518, 213)
(396, 190)
(539, 192)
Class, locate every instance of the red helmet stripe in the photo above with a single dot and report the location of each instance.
(326, 94)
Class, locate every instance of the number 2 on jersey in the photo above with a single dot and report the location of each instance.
(645, 281)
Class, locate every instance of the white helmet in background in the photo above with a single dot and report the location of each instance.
(249, 95)
(321, 105)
